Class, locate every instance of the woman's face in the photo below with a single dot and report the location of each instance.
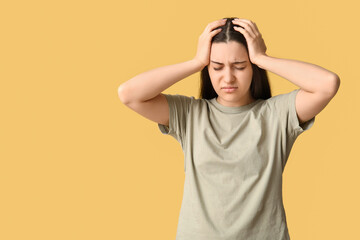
(230, 67)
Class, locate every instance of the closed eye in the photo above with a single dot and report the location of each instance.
(217, 69)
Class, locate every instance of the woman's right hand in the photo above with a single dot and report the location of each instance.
(204, 43)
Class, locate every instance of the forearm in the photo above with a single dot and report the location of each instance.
(310, 77)
(149, 84)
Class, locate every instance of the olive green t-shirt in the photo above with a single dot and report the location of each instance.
(234, 158)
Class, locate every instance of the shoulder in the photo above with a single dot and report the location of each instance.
(180, 102)
(179, 98)
(276, 105)
(281, 100)
(283, 96)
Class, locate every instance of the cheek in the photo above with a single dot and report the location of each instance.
(214, 82)
(249, 71)
(245, 75)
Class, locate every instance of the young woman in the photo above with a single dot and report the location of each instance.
(236, 138)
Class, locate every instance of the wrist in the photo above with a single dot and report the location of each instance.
(260, 60)
(199, 65)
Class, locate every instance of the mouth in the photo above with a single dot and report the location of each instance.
(229, 89)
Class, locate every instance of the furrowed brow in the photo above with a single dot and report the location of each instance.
(236, 62)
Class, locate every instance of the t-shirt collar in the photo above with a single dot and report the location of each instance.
(233, 109)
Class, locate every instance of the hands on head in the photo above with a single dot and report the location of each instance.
(256, 45)
(204, 42)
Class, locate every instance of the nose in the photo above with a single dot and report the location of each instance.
(228, 75)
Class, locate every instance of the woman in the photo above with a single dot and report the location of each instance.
(236, 138)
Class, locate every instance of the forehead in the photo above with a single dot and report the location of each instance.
(228, 52)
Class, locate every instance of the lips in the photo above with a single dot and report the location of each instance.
(229, 89)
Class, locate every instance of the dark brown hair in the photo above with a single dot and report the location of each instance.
(259, 87)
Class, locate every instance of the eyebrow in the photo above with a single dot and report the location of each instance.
(236, 62)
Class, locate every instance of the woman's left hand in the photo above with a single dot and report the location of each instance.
(255, 42)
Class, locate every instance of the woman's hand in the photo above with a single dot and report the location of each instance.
(255, 42)
(204, 44)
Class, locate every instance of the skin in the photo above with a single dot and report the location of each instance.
(317, 85)
(230, 73)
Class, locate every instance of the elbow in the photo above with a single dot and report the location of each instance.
(122, 94)
(331, 86)
(335, 84)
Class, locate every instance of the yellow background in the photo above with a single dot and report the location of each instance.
(78, 164)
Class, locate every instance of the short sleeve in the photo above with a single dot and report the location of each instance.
(179, 106)
(285, 107)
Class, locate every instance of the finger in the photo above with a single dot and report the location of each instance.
(242, 31)
(211, 26)
(248, 25)
(256, 28)
(214, 32)
(245, 30)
